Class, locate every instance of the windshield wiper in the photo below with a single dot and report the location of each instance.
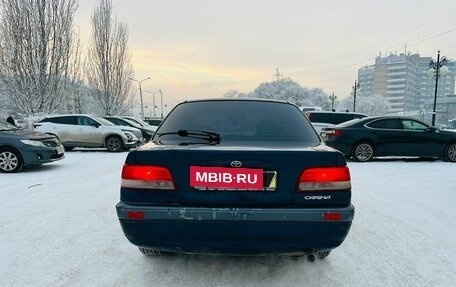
(196, 134)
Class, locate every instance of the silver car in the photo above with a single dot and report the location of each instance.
(80, 130)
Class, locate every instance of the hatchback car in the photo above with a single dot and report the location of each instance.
(236, 177)
(21, 148)
(371, 137)
(89, 131)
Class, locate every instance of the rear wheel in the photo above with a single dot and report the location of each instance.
(363, 152)
(323, 254)
(114, 144)
(10, 160)
(450, 152)
(153, 252)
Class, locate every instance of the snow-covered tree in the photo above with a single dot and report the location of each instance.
(108, 67)
(370, 105)
(286, 89)
(231, 94)
(39, 53)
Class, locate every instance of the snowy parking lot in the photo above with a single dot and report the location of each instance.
(58, 227)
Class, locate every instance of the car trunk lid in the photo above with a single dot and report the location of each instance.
(229, 174)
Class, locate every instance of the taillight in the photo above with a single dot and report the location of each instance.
(334, 133)
(325, 178)
(145, 176)
(138, 215)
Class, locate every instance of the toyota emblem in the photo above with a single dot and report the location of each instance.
(236, 163)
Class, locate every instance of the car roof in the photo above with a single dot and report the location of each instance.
(70, 115)
(238, 100)
(373, 118)
(331, 112)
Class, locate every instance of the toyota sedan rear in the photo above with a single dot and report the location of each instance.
(236, 177)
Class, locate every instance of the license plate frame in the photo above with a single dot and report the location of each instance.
(226, 178)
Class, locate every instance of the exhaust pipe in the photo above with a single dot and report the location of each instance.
(310, 256)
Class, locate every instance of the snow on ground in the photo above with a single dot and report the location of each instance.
(58, 227)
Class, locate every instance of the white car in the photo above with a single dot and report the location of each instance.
(80, 130)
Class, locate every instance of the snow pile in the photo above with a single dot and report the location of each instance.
(58, 227)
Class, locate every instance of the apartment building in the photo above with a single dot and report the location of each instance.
(403, 80)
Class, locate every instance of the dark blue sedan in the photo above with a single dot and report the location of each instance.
(371, 137)
(236, 177)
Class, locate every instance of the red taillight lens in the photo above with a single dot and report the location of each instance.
(325, 178)
(144, 176)
(332, 216)
(334, 133)
(137, 215)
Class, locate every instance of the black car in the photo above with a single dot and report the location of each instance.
(236, 177)
(21, 148)
(146, 132)
(366, 138)
(329, 119)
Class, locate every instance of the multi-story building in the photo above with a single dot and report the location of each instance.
(403, 80)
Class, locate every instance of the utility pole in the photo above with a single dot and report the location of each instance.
(277, 75)
(355, 87)
(332, 98)
(436, 69)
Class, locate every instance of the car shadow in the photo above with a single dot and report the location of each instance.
(400, 159)
(233, 270)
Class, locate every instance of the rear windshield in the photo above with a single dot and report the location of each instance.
(241, 121)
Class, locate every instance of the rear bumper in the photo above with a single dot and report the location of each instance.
(132, 144)
(235, 230)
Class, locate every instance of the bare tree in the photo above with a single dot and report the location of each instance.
(39, 53)
(108, 67)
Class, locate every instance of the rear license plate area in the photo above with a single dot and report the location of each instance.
(232, 179)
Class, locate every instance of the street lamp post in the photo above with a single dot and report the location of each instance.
(355, 87)
(140, 94)
(153, 100)
(332, 98)
(435, 70)
(161, 103)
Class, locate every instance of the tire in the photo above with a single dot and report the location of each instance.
(10, 160)
(450, 152)
(153, 252)
(363, 152)
(114, 144)
(323, 254)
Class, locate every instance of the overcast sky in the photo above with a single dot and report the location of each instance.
(203, 48)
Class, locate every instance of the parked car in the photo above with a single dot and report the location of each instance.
(79, 130)
(138, 121)
(146, 132)
(21, 148)
(233, 176)
(155, 122)
(370, 137)
(327, 119)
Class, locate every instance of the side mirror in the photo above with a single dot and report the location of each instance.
(96, 125)
(431, 129)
